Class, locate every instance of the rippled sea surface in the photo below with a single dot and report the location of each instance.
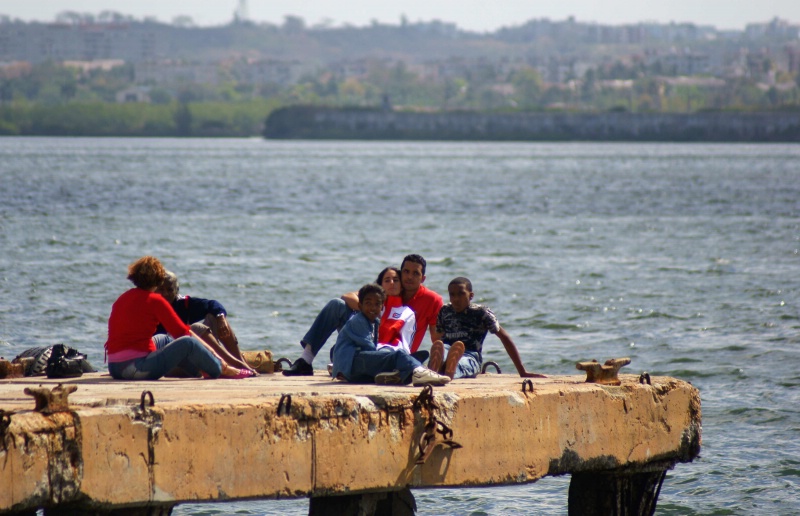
(685, 258)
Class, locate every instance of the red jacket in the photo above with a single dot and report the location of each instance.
(426, 305)
(134, 318)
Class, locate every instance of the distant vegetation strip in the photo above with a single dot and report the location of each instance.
(269, 119)
(202, 119)
(311, 122)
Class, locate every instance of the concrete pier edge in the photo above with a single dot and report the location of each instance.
(281, 437)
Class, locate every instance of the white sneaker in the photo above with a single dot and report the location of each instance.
(428, 377)
(392, 378)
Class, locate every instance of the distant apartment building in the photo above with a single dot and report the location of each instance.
(352, 69)
(775, 29)
(134, 94)
(14, 69)
(99, 64)
(685, 63)
(793, 59)
(268, 71)
(170, 73)
(40, 42)
(616, 35)
(677, 32)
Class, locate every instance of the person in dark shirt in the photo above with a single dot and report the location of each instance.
(463, 326)
(207, 318)
(135, 353)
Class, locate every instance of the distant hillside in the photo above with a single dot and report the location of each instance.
(125, 38)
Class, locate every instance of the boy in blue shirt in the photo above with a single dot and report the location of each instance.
(357, 359)
(463, 326)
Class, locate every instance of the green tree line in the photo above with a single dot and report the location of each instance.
(51, 99)
(203, 119)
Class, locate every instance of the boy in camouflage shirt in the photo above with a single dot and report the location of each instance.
(463, 326)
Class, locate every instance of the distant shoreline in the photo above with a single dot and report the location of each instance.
(245, 120)
(311, 122)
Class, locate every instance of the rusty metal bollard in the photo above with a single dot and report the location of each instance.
(605, 374)
(49, 401)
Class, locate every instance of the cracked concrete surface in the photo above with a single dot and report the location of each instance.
(223, 440)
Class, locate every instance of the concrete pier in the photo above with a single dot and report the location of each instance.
(143, 447)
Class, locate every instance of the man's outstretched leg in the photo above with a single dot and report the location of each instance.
(331, 317)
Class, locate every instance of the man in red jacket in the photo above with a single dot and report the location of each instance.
(424, 302)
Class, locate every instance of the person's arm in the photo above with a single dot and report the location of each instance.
(359, 331)
(222, 326)
(208, 347)
(435, 335)
(511, 349)
(198, 308)
(351, 300)
(435, 328)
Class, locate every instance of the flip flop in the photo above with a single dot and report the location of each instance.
(243, 373)
(453, 356)
(437, 356)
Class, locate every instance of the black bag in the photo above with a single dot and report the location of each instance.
(66, 362)
(35, 360)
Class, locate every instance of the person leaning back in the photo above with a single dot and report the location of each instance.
(357, 359)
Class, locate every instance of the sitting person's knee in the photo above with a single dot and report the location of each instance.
(200, 328)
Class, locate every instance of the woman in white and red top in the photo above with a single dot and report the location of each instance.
(398, 322)
(132, 350)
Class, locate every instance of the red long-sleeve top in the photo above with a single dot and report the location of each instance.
(134, 318)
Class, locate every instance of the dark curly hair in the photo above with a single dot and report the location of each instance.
(415, 258)
(461, 280)
(370, 288)
(146, 272)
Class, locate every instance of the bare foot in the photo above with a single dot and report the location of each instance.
(229, 371)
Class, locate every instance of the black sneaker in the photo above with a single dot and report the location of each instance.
(299, 368)
(392, 378)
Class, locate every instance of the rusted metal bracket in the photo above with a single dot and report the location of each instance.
(605, 374)
(490, 364)
(144, 395)
(428, 439)
(5, 422)
(278, 367)
(285, 403)
(527, 385)
(11, 369)
(425, 399)
(49, 401)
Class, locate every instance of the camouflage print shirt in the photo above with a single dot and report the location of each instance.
(469, 326)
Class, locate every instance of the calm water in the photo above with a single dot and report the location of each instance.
(684, 257)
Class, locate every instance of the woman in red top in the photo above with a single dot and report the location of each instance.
(135, 354)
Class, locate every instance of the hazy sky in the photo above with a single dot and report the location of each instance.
(477, 15)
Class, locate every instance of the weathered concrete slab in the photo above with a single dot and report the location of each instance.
(276, 436)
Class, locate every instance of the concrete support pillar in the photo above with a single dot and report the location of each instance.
(615, 493)
(388, 503)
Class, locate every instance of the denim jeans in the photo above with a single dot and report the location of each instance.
(367, 364)
(186, 352)
(332, 317)
(469, 366)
